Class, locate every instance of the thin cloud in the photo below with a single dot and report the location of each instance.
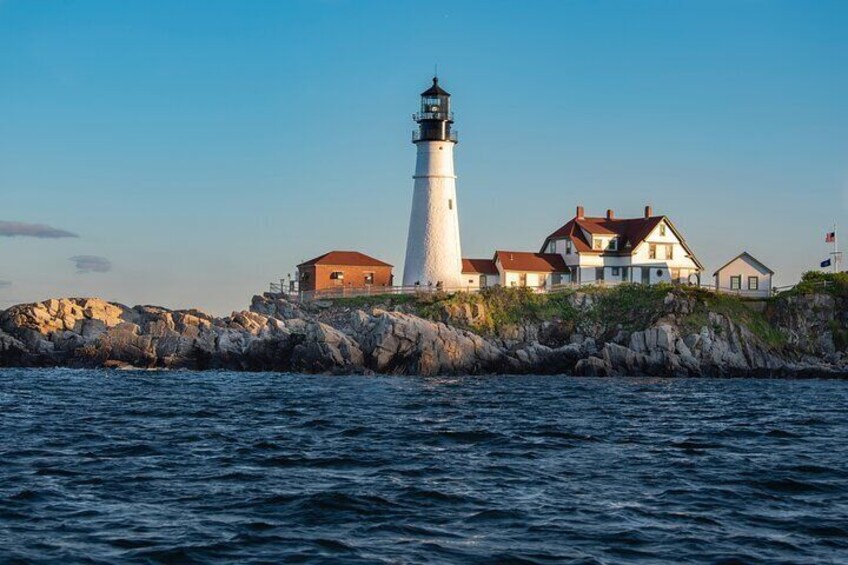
(5, 284)
(91, 264)
(21, 229)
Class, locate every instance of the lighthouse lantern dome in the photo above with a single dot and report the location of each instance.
(436, 101)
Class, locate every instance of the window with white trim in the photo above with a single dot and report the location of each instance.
(753, 283)
(616, 271)
(662, 229)
(736, 282)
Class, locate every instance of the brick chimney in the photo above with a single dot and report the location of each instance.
(580, 213)
(649, 211)
(610, 215)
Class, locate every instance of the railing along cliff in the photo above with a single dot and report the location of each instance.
(353, 292)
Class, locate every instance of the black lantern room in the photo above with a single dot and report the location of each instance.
(435, 118)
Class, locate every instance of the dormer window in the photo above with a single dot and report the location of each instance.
(552, 247)
(613, 244)
(598, 244)
(568, 247)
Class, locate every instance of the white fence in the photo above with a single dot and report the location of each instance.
(354, 292)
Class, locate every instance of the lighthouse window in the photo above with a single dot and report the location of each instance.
(450, 204)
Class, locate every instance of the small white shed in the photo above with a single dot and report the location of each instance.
(744, 275)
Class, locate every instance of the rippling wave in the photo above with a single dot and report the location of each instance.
(181, 467)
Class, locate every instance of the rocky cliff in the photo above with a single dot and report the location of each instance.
(660, 332)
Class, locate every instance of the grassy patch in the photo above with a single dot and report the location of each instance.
(736, 310)
(376, 300)
(629, 306)
(502, 306)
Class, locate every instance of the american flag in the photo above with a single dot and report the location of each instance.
(830, 237)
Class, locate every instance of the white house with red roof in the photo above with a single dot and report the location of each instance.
(604, 250)
(646, 250)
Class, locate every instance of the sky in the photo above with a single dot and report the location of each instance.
(187, 153)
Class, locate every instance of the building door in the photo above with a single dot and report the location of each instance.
(646, 275)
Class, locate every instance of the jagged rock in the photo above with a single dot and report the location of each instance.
(591, 367)
(276, 307)
(323, 348)
(401, 343)
(279, 335)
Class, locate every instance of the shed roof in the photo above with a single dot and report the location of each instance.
(749, 257)
(533, 262)
(345, 259)
(479, 266)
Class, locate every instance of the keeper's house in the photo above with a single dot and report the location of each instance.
(602, 250)
(343, 269)
(646, 250)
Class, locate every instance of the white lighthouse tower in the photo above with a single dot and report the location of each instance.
(433, 256)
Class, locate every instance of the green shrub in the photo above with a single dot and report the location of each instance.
(817, 281)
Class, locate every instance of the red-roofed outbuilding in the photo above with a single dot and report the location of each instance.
(343, 269)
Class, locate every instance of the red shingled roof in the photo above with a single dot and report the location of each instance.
(345, 258)
(631, 231)
(533, 262)
(479, 266)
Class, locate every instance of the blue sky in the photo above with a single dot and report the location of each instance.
(199, 149)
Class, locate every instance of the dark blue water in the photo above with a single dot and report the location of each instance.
(199, 467)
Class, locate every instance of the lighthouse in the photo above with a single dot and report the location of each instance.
(433, 256)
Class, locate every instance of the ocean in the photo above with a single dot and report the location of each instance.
(183, 467)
